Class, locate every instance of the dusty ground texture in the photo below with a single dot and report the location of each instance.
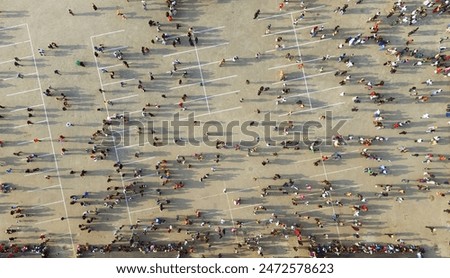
(224, 29)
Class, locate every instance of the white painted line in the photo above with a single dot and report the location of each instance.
(10, 61)
(335, 172)
(228, 192)
(136, 178)
(26, 142)
(132, 146)
(45, 155)
(198, 32)
(114, 48)
(313, 92)
(187, 51)
(215, 112)
(301, 62)
(315, 108)
(40, 172)
(107, 67)
(141, 210)
(51, 142)
(243, 207)
(117, 82)
(304, 10)
(125, 97)
(25, 108)
(137, 161)
(39, 122)
(108, 33)
(229, 206)
(102, 86)
(332, 205)
(23, 92)
(47, 221)
(294, 46)
(11, 44)
(47, 204)
(48, 187)
(291, 30)
(207, 30)
(11, 27)
(296, 64)
(15, 77)
(201, 77)
(204, 82)
(301, 78)
(210, 96)
(193, 67)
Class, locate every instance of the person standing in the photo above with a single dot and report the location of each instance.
(94, 7)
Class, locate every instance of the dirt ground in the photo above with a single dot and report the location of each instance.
(282, 182)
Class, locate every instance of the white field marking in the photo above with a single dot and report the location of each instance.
(23, 92)
(300, 161)
(193, 67)
(132, 146)
(288, 31)
(15, 77)
(314, 92)
(51, 142)
(25, 108)
(335, 172)
(301, 62)
(48, 187)
(243, 207)
(207, 30)
(47, 204)
(187, 51)
(45, 155)
(201, 77)
(198, 32)
(117, 82)
(294, 46)
(203, 82)
(107, 67)
(16, 43)
(147, 209)
(211, 96)
(136, 178)
(114, 49)
(102, 86)
(312, 109)
(125, 97)
(39, 122)
(332, 205)
(32, 141)
(137, 161)
(290, 13)
(12, 27)
(108, 33)
(40, 172)
(133, 112)
(303, 77)
(228, 191)
(9, 61)
(296, 64)
(215, 112)
(229, 207)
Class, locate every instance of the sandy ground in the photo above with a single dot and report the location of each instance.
(224, 29)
